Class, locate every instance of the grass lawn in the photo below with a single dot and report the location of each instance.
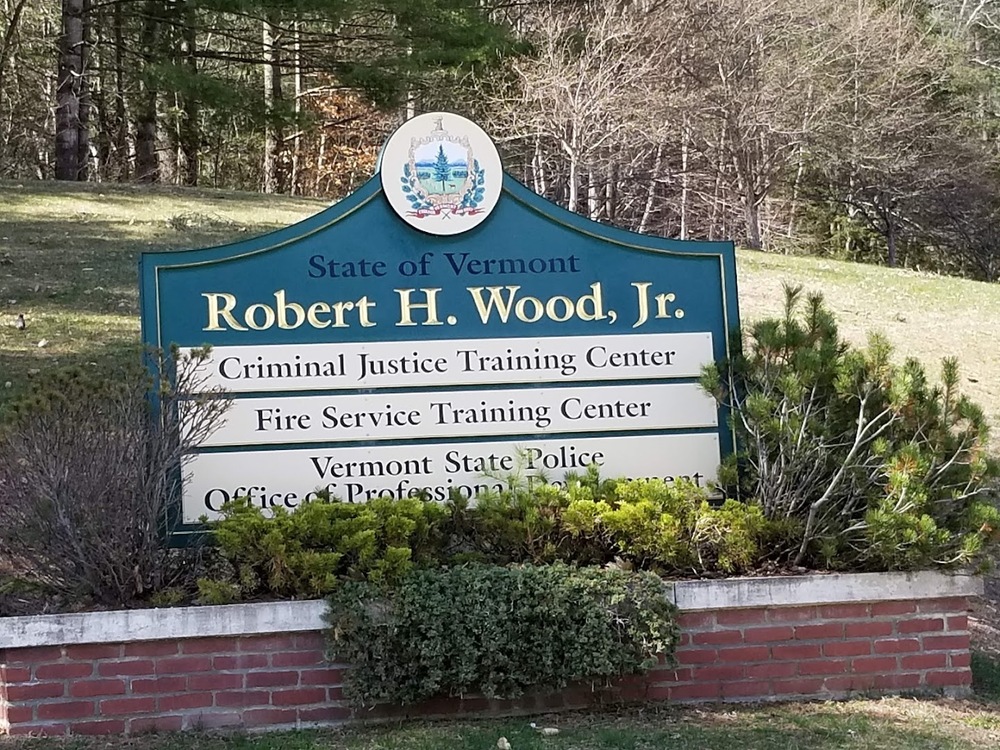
(890, 724)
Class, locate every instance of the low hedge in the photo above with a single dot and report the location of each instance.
(497, 631)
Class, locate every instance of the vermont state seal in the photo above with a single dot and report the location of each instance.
(441, 173)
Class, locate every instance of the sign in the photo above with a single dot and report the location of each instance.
(440, 328)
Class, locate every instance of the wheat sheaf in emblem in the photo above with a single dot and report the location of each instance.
(442, 178)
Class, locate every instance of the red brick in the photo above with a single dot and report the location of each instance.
(867, 629)
(684, 639)
(816, 632)
(20, 714)
(91, 688)
(718, 672)
(874, 664)
(756, 689)
(847, 648)
(258, 717)
(886, 609)
(696, 656)
(30, 691)
(796, 652)
(843, 611)
(240, 698)
(136, 705)
(184, 701)
(928, 625)
(849, 683)
(696, 620)
(176, 665)
(924, 661)
(64, 670)
(897, 646)
(67, 710)
(208, 646)
(265, 643)
(309, 641)
(105, 726)
(951, 604)
(31, 655)
(215, 681)
(298, 696)
(152, 648)
(40, 730)
(90, 652)
(327, 713)
(766, 635)
(243, 661)
(717, 638)
(941, 642)
(216, 720)
(772, 670)
(822, 666)
(296, 659)
(132, 668)
(958, 622)
(321, 677)
(960, 660)
(792, 614)
(797, 687)
(160, 685)
(941, 679)
(143, 724)
(728, 617)
(897, 681)
(666, 675)
(744, 654)
(272, 679)
(14, 674)
(694, 692)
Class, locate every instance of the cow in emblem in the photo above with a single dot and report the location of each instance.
(442, 177)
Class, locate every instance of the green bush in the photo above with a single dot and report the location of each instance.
(308, 551)
(497, 631)
(868, 463)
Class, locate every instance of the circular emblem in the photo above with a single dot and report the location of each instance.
(441, 173)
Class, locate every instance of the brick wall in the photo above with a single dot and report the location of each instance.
(280, 679)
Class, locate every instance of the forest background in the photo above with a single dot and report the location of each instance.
(862, 129)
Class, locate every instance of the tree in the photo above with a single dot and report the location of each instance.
(72, 106)
(442, 170)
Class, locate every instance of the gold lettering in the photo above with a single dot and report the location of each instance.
(406, 306)
(226, 311)
(313, 314)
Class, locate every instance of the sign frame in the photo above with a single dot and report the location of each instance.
(156, 269)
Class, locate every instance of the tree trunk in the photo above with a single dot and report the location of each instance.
(273, 137)
(147, 163)
(189, 133)
(7, 44)
(70, 87)
(752, 215)
(120, 139)
(890, 240)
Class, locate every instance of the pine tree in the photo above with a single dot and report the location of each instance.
(442, 170)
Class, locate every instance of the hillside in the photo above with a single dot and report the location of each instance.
(68, 263)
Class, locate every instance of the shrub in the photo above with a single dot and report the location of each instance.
(87, 470)
(876, 467)
(497, 631)
(307, 551)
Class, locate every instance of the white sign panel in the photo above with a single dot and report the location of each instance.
(452, 414)
(397, 364)
(287, 478)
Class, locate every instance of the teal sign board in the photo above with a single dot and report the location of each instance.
(369, 357)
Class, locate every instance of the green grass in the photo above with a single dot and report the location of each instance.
(858, 725)
(68, 256)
